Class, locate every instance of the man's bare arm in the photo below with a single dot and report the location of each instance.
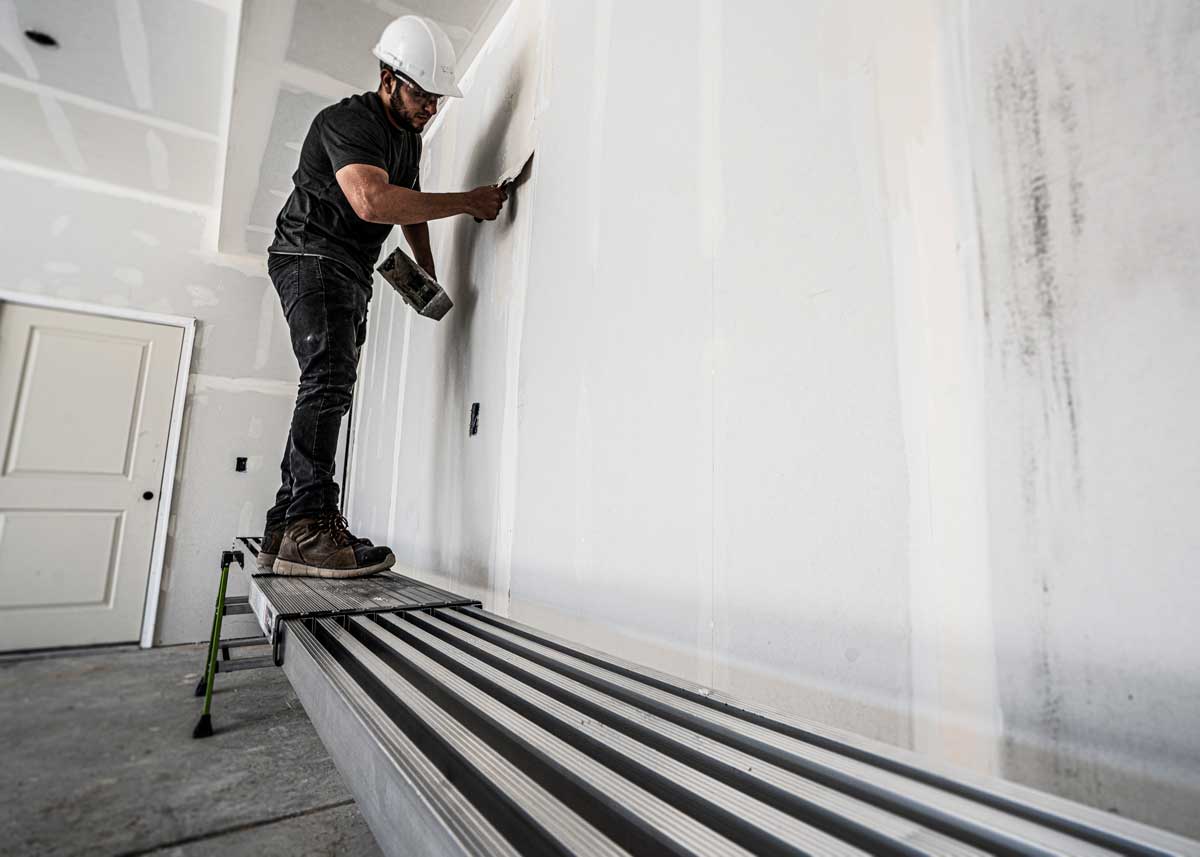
(376, 201)
(417, 236)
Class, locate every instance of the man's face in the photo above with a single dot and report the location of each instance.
(411, 106)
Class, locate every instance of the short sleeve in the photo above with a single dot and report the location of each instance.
(348, 139)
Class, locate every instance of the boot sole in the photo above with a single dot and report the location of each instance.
(291, 568)
(266, 561)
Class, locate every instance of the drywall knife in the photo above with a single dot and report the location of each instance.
(514, 177)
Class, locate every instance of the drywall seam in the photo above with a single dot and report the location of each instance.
(350, 477)
(220, 383)
(711, 196)
(504, 529)
(108, 188)
(264, 29)
(601, 48)
(401, 390)
(911, 389)
(97, 106)
(359, 413)
(316, 82)
(12, 41)
(952, 660)
(233, 25)
(971, 382)
(266, 326)
(506, 483)
(62, 133)
(156, 153)
(135, 53)
(486, 24)
(467, 79)
(243, 263)
(349, 483)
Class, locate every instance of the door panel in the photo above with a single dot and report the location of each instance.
(78, 572)
(91, 430)
(85, 407)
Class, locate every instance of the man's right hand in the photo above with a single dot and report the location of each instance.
(484, 203)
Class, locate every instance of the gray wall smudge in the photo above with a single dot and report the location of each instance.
(1036, 311)
(1042, 200)
(1081, 120)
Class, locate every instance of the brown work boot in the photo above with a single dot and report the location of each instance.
(269, 549)
(324, 547)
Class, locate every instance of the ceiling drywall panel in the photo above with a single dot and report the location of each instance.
(150, 159)
(40, 131)
(293, 113)
(294, 58)
(187, 56)
(131, 99)
(164, 59)
(24, 133)
(327, 39)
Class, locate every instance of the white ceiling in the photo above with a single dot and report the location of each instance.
(296, 57)
(132, 97)
(143, 97)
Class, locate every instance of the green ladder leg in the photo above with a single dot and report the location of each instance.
(204, 725)
(213, 634)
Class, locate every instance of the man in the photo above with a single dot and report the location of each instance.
(357, 177)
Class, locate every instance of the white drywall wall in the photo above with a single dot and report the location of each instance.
(110, 190)
(1082, 120)
(681, 338)
(118, 183)
(83, 245)
(837, 355)
(112, 181)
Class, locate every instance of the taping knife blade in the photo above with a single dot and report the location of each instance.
(515, 176)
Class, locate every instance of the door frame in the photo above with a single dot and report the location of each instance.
(158, 548)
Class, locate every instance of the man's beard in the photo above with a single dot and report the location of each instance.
(399, 112)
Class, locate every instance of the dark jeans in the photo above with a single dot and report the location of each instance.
(326, 310)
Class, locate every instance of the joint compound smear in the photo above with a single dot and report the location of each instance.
(1040, 156)
(1031, 305)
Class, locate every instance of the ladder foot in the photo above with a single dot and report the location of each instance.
(203, 727)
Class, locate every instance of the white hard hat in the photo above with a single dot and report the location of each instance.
(417, 48)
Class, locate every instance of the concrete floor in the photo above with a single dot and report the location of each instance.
(99, 760)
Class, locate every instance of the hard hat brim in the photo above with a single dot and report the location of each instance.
(453, 92)
(390, 61)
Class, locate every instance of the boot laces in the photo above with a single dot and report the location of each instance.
(339, 528)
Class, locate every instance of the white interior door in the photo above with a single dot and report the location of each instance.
(85, 408)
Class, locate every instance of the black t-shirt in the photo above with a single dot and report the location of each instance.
(317, 219)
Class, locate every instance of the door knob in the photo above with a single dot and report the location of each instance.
(147, 495)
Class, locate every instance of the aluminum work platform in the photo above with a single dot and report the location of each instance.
(464, 733)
